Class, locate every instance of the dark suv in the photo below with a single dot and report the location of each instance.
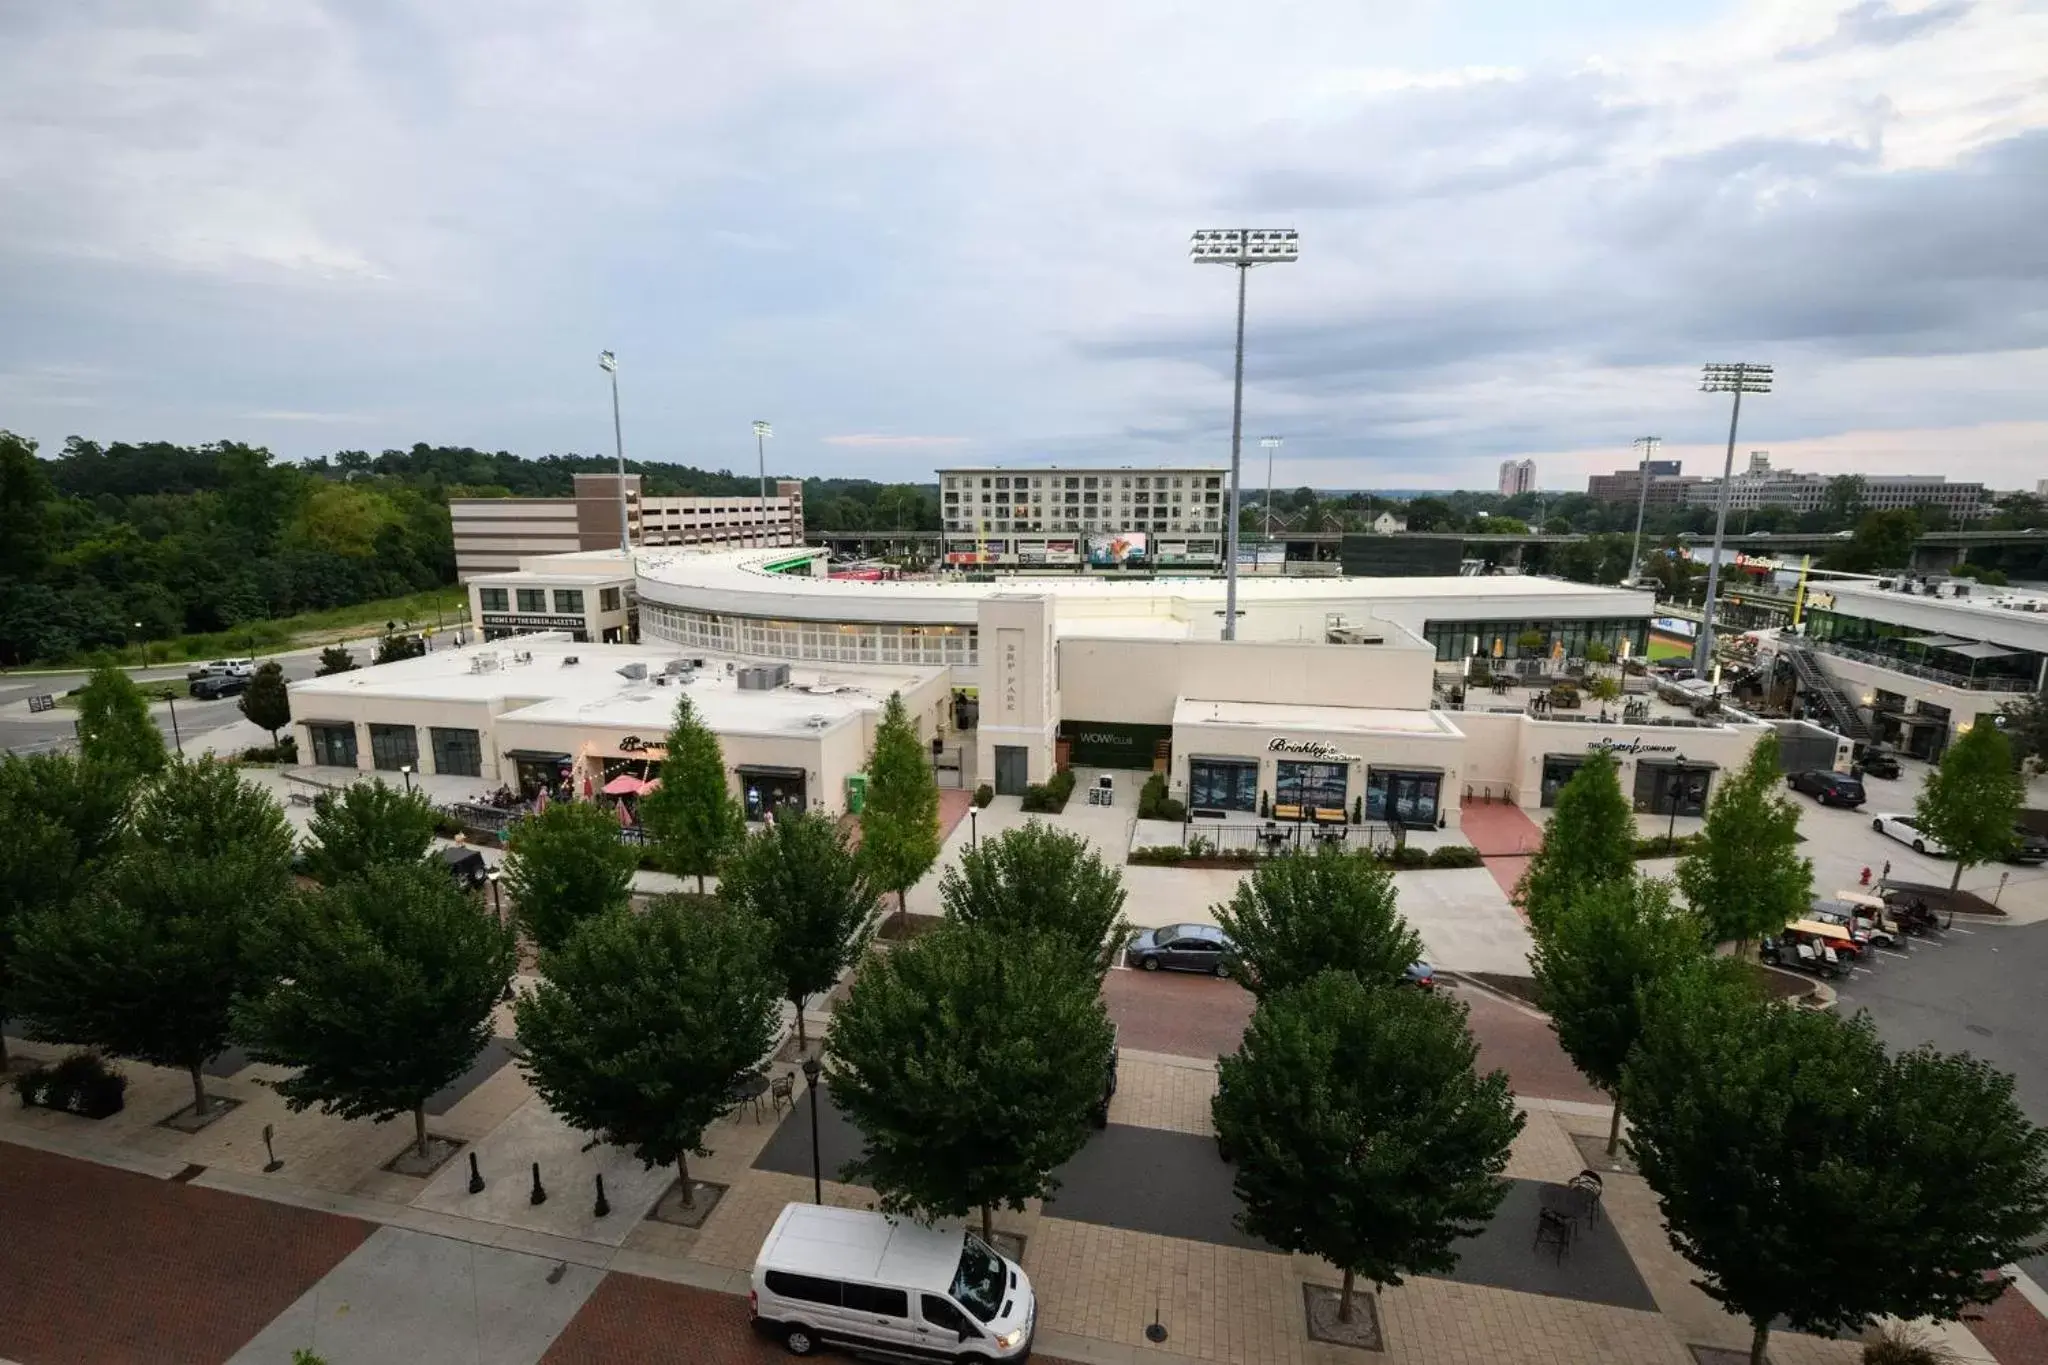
(216, 686)
(1828, 787)
(1878, 761)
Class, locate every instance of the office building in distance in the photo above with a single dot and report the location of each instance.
(1669, 485)
(1759, 485)
(492, 535)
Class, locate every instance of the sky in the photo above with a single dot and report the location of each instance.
(918, 234)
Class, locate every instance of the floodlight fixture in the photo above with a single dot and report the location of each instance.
(1738, 378)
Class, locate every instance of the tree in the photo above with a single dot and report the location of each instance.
(1591, 839)
(566, 865)
(393, 648)
(115, 730)
(1037, 879)
(899, 826)
(1603, 948)
(801, 879)
(1747, 880)
(1431, 514)
(2025, 722)
(1360, 1130)
(1813, 1180)
(643, 1023)
(379, 990)
(691, 816)
(199, 809)
(1305, 913)
(365, 825)
(1970, 802)
(267, 702)
(334, 659)
(971, 1062)
(1842, 499)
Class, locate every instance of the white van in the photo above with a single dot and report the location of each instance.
(891, 1287)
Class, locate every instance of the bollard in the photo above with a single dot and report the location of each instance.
(604, 1206)
(476, 1177)
(273, 1165)
(539, 1195)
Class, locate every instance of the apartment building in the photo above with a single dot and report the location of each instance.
(492, 535)
(1670, 486)
(1108, 518)
(1517, 476)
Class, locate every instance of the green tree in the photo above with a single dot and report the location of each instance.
(334, 659)
(378, 990)
(1747, 879)
(801, 879)
(267, 703)
(1604, 947)
(1811, 1179)
(1361, 1132)
(1037, 879)
(971, 1062)
(1305, 913)
(1591, 839)
(365, 825)
(115, 730)
(566, 865)
(199, 809)
(1882, 540)
(900, 824)
(1431, 514)
(691, 816)
(1969, 803)
(643, 1023)
(1842, 499)
(2025, 722)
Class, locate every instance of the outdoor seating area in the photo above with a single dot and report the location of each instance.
(1563, 1208)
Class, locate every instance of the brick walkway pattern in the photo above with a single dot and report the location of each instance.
(2011, 1330)
(1505, 837)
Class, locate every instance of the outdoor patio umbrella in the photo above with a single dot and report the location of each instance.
(625, 784)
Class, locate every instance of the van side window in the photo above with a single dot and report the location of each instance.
(809, 1288)
(940, 1313)
(866, 1298)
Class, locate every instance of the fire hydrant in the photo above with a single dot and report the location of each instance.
(1864, 880)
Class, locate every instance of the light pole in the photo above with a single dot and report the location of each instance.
(1678, 789)
(1242, 248)
(1646, 447)
(176, 738)
(1739, 378)
(406, 768)
(811, 1070)
(609, 363)
(973, 829)
(1271, 443)
(497, 902)
(762, 431)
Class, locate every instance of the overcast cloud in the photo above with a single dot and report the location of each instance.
(915, 233)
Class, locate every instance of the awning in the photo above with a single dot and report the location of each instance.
(1692, 765)
(535, 756)
(1979, 651)
(764, 770)
(329, 724)
(1935, 641)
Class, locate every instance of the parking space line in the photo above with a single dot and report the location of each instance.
(1891, 952)
(1958, 929)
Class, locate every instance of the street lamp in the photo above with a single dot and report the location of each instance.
(1242, 248)
(811, 1070)
(1271, 444)
(1738, 378)
(1678, 790)
(762, 431)
(1646, 447)
(497, 903)
(406, 768)
(973, 831)
(609, 363)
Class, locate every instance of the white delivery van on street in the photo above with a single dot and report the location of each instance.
(889, 1287)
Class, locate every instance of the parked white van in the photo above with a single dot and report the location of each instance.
(891, 1287)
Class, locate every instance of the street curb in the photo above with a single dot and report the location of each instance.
(1469, 983)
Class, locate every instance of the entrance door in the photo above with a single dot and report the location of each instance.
(1013, 769)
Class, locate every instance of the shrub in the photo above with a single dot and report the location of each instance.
(1158, 855)
(1150, 796)
(1900, 1344)
(983, 795)
(1357, 810)
(287, 751)
(1657, 846)
(1405, 855)
(1172, 809)
(80, 1084)
(1051, 796)
(1455, 855)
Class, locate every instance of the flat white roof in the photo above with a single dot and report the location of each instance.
(1271, 716)
(2018, 619)
(814, 1239)
(532, 675)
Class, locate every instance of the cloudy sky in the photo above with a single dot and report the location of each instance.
(911, 234)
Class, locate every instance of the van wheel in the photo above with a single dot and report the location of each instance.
(1150, 964)
(799, 1340)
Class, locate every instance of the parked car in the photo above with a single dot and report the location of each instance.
(862, 1280)
(1420, 975)
(217, 685)
(1828, 787)
(1907, 830)
(465, 866)
(1182, 948)
(222, 668)
(1878, 760)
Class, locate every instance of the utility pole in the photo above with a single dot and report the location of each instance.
(1738, 378)
(609, 363)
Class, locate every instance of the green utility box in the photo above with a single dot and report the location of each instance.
(856, 793)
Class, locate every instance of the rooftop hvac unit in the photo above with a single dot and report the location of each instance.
(778, 675)
(569, 660)
(818, 722)
(661, 680)
(484, 663)
(636, 672)
(677, 666)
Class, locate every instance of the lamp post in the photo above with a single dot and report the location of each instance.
(1271, 444)
(1738, 378)
(762, 431)
(973, 830)
(811, 1070)
(1646, 447)
(406, 768)
(609, 363)
(1242, 248)
(497, 902)
(1677, 793)
(176, 738)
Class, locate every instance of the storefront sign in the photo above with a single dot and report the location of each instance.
(633, 744)
(1011, 670)
(1629, 746)
(1310, 748)
(534, 622)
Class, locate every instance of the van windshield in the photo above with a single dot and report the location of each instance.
(979, 1283)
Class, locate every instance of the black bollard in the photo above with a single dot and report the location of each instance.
(539, 1195)
(476, 1177)
(604, 1205)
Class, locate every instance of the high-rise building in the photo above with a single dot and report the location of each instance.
(1517, 476)
(1059, 515)
(493, 534)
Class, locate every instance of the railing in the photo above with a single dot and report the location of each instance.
(1963, 681)
(1270, 837)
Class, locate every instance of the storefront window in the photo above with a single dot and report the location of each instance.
(1559, 769)
(568, 601)
(1216, 784)
(768, 790)
(334, 746)
(492, 599)
(393, 747)
(1661, 785)
(1324, 786)
(457, 752)
(1409, 797)
(533, 600)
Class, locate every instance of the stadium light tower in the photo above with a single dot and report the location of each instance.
(1739, 378)
(762, 431)
(1243, 248)
(1646, 451)
(609, 363)
(1272, 444)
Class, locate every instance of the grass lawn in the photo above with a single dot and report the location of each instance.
(153, 691)
(1661, 648)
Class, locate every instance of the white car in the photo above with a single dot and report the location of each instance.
(222, 668)
(1907, 830)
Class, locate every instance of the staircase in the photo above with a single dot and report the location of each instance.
(1816, 682)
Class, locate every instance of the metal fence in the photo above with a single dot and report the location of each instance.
(1284, 836)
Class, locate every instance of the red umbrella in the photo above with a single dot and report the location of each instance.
(625, 784)
(625, 816)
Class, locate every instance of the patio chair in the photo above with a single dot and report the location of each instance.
(1590, 1183)
(782, 1091)
(1554, 1230)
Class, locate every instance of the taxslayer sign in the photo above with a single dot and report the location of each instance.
(1311, 748)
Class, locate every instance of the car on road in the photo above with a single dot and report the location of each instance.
(216, 686)
(1879, 760)
(1181, 948)
(222, 668)
(1420, 975)
(2028, 848)
(1907, 830)
(1828, 787)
